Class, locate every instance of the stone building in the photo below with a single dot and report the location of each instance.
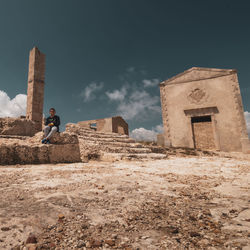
(35, 92)
(114, 124)
(202, 108)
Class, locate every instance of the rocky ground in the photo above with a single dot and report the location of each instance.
(178, 203)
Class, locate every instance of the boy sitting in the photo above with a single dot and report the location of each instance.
(51, 126)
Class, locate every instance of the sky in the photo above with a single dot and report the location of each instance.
(106, 58)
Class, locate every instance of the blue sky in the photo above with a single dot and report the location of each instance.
(106, 58)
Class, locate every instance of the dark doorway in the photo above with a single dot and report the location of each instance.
(203, 132)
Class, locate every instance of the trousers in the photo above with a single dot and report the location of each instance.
(49, 131)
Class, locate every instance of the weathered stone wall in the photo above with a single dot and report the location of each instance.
(35, 92)
(65, 149)
(86, 124)
(119, 125)
(17, 126)
(201, 92)
(161, 140)
(108, 125)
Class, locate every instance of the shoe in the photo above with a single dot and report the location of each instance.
(44, 141)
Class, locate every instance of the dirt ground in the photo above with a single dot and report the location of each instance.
(177, 203)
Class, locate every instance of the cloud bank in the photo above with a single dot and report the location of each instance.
(88, 94)
(117, 95)
(150, 83)
(247, 116)
(142, 134)
(12, 107)
(138, 104)
(133, 101)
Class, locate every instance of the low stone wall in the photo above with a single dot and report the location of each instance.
(107, 125)
(58, 138)
(38, 154)
(119, 125)
(31, 151)
(245, 142)
(17, 126)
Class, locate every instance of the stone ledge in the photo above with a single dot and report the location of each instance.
(62, 138)
(38, 154)
(17, 126)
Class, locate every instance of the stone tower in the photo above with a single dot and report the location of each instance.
(35, 92)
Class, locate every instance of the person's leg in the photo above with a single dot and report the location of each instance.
(46, 131)
(51, 133)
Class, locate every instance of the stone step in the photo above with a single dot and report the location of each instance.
(102, 135)
(106, 140)
(113, 149)
(90, 132)
(111, 143)
(20, 137)
(128, 156)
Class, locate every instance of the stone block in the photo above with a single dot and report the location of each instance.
(23, 154)
(38, 154)
(161, 140)
(58, 138)
(17, 126)
(64, 138)
(67, 153)
(245, 145)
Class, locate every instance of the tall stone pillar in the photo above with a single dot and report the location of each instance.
(35, 92)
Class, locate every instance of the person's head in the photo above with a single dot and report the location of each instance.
(52, 111)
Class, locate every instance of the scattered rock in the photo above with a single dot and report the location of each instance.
(110, 242)
(31, 239)
(5, 228)
(194, 234)
(31, 246)
(81, 244)
(61, 216)
(94, 243)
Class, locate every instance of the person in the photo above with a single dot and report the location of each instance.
(51, 126)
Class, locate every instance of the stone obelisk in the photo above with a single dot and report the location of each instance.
(35, 92)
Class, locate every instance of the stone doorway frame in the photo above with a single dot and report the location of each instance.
(208, 111)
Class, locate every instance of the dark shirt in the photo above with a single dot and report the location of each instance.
(55, 119)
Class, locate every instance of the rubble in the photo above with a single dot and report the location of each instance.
(191, 202)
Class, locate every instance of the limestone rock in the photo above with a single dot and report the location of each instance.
(17, 126)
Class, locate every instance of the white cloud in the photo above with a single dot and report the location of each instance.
(139, 104)
(150, 83)
(117, 95)
(88, 93)
(131, 69)
(247, 116)
(12, 107)
(142, 134)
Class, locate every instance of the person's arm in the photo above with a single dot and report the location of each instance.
(57, 121)
(47, 122)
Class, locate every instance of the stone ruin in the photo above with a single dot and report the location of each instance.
(202, 108)
(107, 125)
(20, 138)
(32, 123)
(105, 139)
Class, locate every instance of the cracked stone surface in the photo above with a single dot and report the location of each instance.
(174, 203)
